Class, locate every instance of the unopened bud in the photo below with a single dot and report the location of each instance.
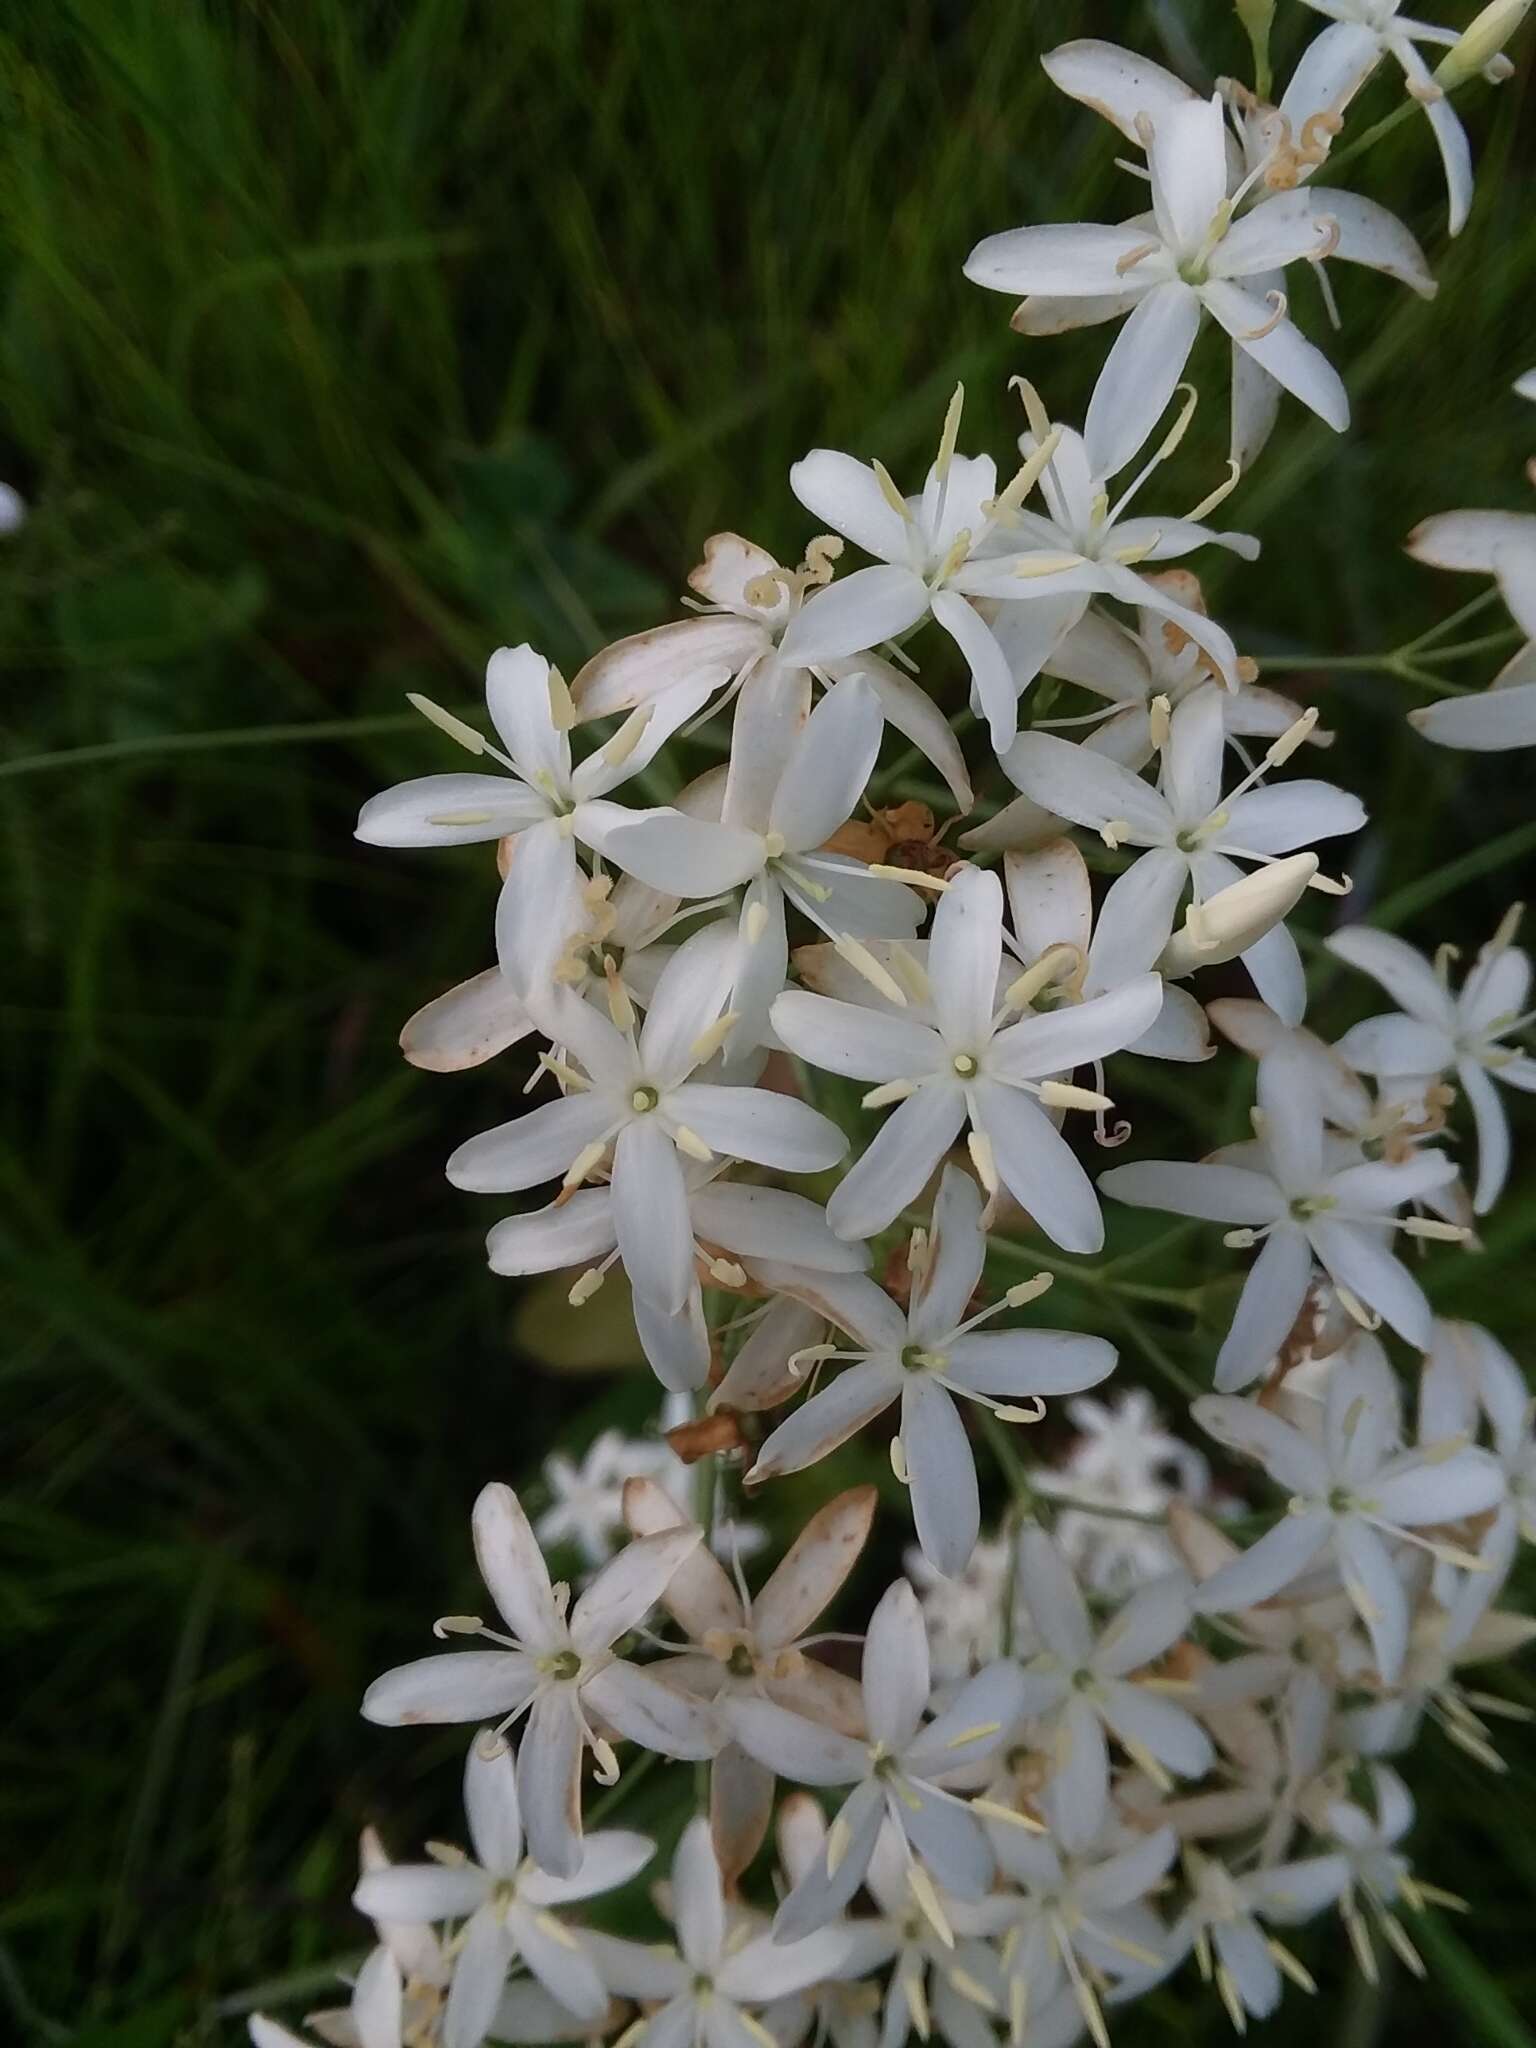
(1237, 917)
(1480, 42)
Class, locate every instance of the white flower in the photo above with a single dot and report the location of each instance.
(505, 1902)
(1468, 1370)
(1301, 1194)
(13, 510)
(542, 803)
(931, 555)
(1071, 1924)
(1355, 1495)
(1435, 1032)
(794, 779)
(975, 1068)
(749, 601)
(964, 1613)
(898, 1772)
(925, 1358)
(1363, 32)
(1503, 545)
(707, 1996)
(1197, 252)
(1071, 957)
(586, 1506)
(558, 1670)
(1194, 834)
(637, 1096)
(1378, 1873)
(753, 1648)
(1122, 1459)
(1085, 545)
(1080, 1690)
(1222, 1924)
(1189, 258)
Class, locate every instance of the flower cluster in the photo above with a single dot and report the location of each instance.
(1132, 1727)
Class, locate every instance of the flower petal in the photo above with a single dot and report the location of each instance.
(899, 1160)
(1140, 375)
(1082, 260)
(628, 1587)
(811, 1572)
(468, 1685)
(854, 614)
(829, 1418)
(1280, 347)
(1038, 1167)
(829, 765)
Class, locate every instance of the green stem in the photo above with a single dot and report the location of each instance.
(1099, 1278)
(212, 742)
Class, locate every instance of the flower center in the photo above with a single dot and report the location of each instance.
(918, 1358)
(560, 1664)
(643, 1100)
(739, 1663)
(964, 1064)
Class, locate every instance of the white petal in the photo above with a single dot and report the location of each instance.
(854, 614)
(1364, 1265)
(698, 1898)
(1290, 228)
(740, 1808)
(772, 1223)
(490, 1806)
(949, 1839)
(1469, 540)
(829, 1418)
(478, 1976)
(1271, 1300)
(1140, 375)
(757, 1124)
(1373, 1585)
(1160, 1726)
(1119, 84)
(829, 766)
(1081, 260)
(517, 697)
(1187, 158)
(945, 1502)
(1060, 1040)
(1136, 917)
(1055, 1602)
(567, 1234)
(957, 1250)
(1255, 404)
(466, 1025)
(378, 2000)
(895, 1672)
(964, 952)
(1278, 1558)
(1217, 1194)
(644, 1710)
(560, 1963)
(1290, 1458)
(647, 666)
(1405, 974)
(422, 813)
(1287, 815)
(1049, 898)
(1076, 1795)
(676, 1347)
(846, 494)
(862, 1043)
(1150, 1621)
(685, 856)
(513, 1568)
(1038, 1167)
(469, 1686)
(1330, 71)
(992, 680)
(909, 710)
(1492, 1135)
(549, 1780)
(1015, 1364)
(1293, 1122)
(798, 1749)
(537, 1146)
(1468, 1482)
(898, 1162)
(1369, 234)
(820, 1893)
(1088, 788)
(1280, 348)
(981, 1718)
(688, 997)
(628, 1587)
(408, 1892)
(1398, 1046)
(1491, 723)
(649, 1205)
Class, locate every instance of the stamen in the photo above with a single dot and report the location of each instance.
(585, 1287)
(692, 1144)
(1063, 1095)
(456, 1625)
(1293, 737)
(951, 435)
(1026, 477)
(923, 1891)
(899, 1462)
(1223, 491)
(628, 736)
(471, 741)
(709, 1041)
(889, 1092)
(864, 962)
(567, 1076)
(727, 1272)
(583, 1163)
(1025, 1291)
(979, 1145)
(889, 492)
(562, 708)
(1034, 409)
(756, 922)
(1160, 721)
(915, 876)
(620, 1008)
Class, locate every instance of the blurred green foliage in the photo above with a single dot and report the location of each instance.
(339, 342)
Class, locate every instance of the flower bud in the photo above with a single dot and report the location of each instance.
(1237, 917)
(1480, 42)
